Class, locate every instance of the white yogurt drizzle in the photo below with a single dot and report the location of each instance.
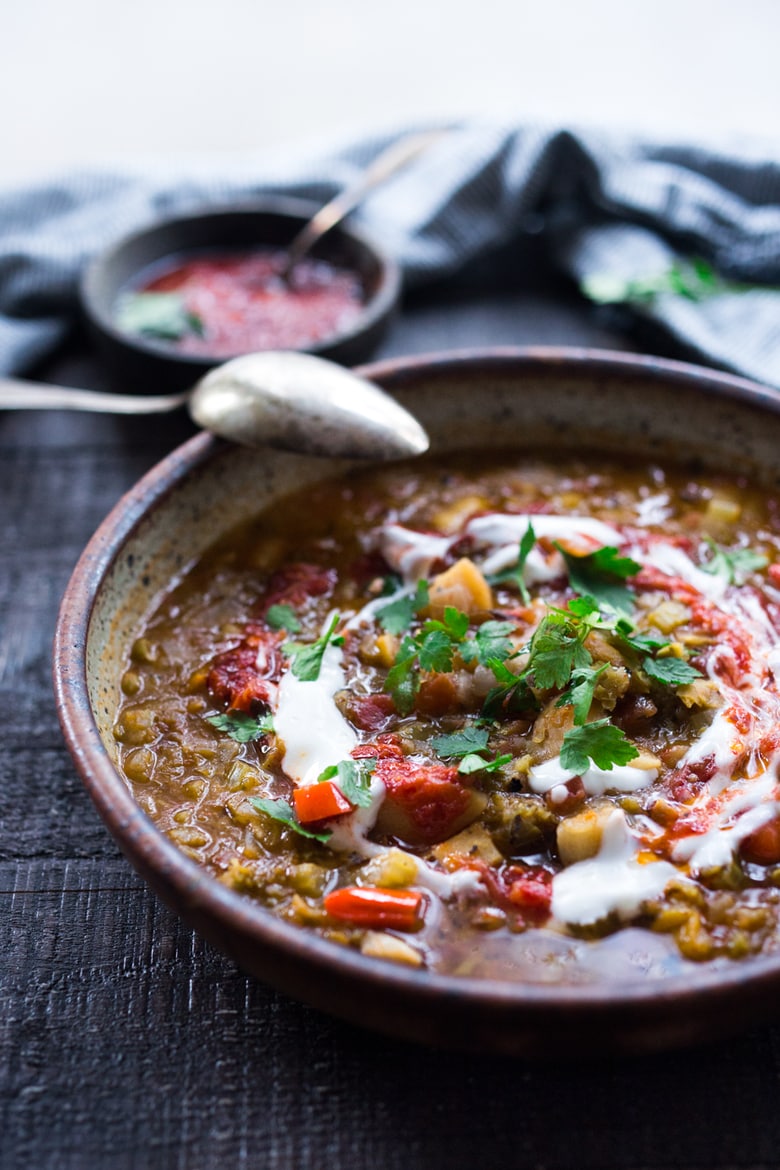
(315, 734)
(612, 882)
(548, 776)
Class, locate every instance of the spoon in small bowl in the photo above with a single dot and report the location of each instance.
(289, 400)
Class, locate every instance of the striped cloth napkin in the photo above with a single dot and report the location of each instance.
(685, 236)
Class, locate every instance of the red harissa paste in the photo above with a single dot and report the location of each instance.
(243, 304)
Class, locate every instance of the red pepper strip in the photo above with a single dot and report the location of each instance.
(375, 908)
(318, 802)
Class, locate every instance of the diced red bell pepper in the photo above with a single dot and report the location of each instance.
(376, 908)
(319, 802)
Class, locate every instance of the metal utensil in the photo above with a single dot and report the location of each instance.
(293, 401)
(384, 165)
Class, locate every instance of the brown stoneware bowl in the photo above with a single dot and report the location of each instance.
(573, 399)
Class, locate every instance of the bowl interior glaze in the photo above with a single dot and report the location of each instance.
(530, 398)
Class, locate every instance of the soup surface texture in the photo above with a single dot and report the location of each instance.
(494, 715)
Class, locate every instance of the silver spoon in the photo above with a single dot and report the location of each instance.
(293, 401)
(393, 159)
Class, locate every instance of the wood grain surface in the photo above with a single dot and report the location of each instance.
(127, 1042)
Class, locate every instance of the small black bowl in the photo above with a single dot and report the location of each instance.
(145, 364)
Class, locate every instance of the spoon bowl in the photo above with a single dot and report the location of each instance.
(291, 401)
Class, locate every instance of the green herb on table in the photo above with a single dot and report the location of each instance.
(693, 279)
(156, 314)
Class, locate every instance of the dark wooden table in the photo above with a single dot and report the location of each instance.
(128, 1042)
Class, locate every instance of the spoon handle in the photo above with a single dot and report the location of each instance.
(384, 165)
(19, 395)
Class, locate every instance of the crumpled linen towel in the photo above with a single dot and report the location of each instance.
(686, 235)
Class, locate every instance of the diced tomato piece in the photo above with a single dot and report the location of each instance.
(319, 802)
(295, 584)
(763, 844)
(384, 747)
(523, 888)
(234, 678)
(376, 908)
(424, 803)
(371, 712)
(773, 572)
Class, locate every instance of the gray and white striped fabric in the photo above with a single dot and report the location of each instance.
(612, 211)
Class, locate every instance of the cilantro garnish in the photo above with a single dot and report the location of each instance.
(640, 643)
(281, 811)
(353, 778)
(734, 565)
(306, 658)
(557, 647)
(431, 649)
(510, 695)
(490, 641)
(673, 672)
(514, 574)
(601, 742)
(240, 727)
(155, 314)
(579, 693)
(460, 743)
(282, 617)
(600, 575)
(475, 763)
(397, 616)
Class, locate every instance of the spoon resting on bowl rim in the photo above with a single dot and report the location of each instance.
(288, 400)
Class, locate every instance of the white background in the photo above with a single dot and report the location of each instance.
(98, 81)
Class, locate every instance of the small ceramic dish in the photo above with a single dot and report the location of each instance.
(147, 363)
(573, 400)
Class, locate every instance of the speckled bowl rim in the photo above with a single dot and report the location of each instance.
(196, 892)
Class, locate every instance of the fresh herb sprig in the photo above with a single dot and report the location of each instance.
(733, 565)
(241, 727)
(353, 777)
(306, 657)
(515, 573)
(157, 314)
(281, 811)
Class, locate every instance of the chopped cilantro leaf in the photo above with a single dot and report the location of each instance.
(306, 658)
(397, 616)
(599, 575)
(641, 643)
(454, 624)
(601, 742)
(281, 811)
(403, 681)
(474, 763)
(734, 565)
(579, 693)
(511, 694)
(240, 727)
(460, 743)
(160, 315)
(282, 617)
(556, 650)
(435, 651)
(354, 779)
(491, 641)
(514, 575)
(671, 671)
